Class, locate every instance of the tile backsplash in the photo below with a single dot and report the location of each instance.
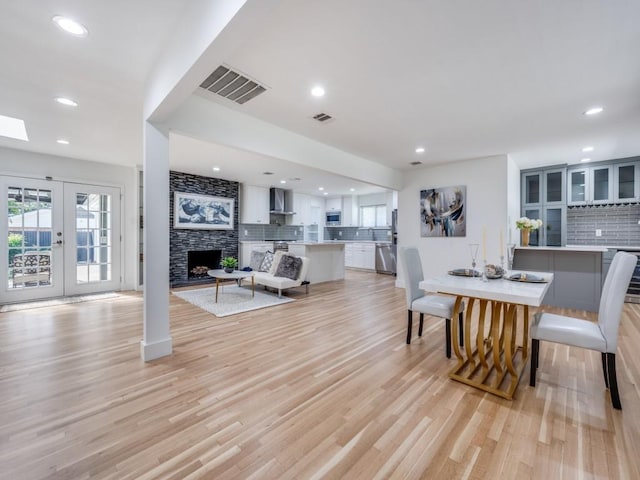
(618, 225)
(253, 232)
(358, 233)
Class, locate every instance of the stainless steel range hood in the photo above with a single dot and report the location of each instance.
(281, 201)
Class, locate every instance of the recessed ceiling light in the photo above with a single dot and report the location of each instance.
(67, 101)
(420, 150)
(13, 128)
(283, 181)
(585, 159)
(62, 141)
(317, 91)
(216, 169)
(587, 149)
(326, 193)
(70, 26)
(594, 111)
(352, 189)
(320, 188)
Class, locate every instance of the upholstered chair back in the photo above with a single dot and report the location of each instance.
(411, 273)
(612, 298)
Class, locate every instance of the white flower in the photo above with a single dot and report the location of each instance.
(524, 223)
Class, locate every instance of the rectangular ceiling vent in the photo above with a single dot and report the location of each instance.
(322, 117)
(229, 84)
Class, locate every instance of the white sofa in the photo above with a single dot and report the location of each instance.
(268, 279)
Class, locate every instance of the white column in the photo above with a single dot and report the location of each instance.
(156, 341)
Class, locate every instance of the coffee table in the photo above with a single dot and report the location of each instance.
(236, 275)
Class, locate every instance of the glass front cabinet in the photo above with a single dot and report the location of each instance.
(590, 185)
(544, 197)
(626, 182)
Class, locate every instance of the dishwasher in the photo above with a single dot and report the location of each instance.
(385, 258)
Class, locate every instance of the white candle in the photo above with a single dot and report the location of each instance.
(501, 244)
(484, 243)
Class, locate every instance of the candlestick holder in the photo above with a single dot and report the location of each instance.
(484, 271)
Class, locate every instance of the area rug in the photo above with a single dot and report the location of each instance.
(231, 299)
(55, 301)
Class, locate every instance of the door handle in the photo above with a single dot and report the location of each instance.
(59, 242)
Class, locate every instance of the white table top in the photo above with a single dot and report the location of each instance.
(502, 290)
(236, 274)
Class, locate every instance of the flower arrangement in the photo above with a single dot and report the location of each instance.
(524, 223)
(229, 263)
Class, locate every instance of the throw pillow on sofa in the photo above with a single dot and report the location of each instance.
(289, 267)
(256, 259)
(267, 262)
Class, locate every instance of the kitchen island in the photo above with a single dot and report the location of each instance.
(326, 259)
(578, 273)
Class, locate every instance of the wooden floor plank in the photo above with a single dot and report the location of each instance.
(323, 387)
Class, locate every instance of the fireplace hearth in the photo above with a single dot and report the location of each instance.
(199, 262)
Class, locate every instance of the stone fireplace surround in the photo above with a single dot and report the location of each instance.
(182, 241)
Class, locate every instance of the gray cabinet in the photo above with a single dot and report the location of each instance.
(590, 185)
(626, 182)
(544, 197)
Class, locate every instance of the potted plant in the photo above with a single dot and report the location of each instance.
(229, 264)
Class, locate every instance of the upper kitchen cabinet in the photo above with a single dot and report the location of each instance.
(543, 187)
(254, 204)
(544, 197)
(350, 211)
(626, 182)
(333, 204)
(590, 185)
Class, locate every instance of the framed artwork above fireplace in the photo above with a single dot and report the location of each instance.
(202, 212)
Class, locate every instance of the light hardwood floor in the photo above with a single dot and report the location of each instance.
(324, 387)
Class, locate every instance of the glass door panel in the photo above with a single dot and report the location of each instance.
(601, 184)
(553, 227)
(578, 186)
(532, 189)
(32, 261)
(94, 257)
(554, 183)
(626, 182)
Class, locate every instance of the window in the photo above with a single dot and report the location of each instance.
(373, 216)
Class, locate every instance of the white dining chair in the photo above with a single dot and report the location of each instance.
(601, 336)
(429, 304)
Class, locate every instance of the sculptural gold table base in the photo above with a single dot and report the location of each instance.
(493, 360)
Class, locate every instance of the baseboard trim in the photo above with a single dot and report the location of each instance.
(151, 351)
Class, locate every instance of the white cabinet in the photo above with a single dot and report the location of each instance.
(333, 204)
(254, 204)
(360, 255)
(350, 211)
(302, 208)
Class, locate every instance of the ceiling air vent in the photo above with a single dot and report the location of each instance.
(415, 163)
(322, 117)
(229, 84)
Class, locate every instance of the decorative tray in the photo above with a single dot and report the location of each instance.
(464, 272)
(526, 277)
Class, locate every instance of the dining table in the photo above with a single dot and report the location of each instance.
(497, 314)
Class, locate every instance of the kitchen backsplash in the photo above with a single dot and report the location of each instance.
(357, 233)
(253, 232)
(617, 223)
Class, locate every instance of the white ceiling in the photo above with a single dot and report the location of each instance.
(464, 79)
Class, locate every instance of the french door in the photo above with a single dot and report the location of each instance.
(60, 239)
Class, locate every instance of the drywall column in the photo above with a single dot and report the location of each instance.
(156, 341)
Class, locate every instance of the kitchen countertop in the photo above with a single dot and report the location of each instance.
(568, 248)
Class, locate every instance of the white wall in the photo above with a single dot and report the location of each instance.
(487, 207)
(35, 165)
(513, 201)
